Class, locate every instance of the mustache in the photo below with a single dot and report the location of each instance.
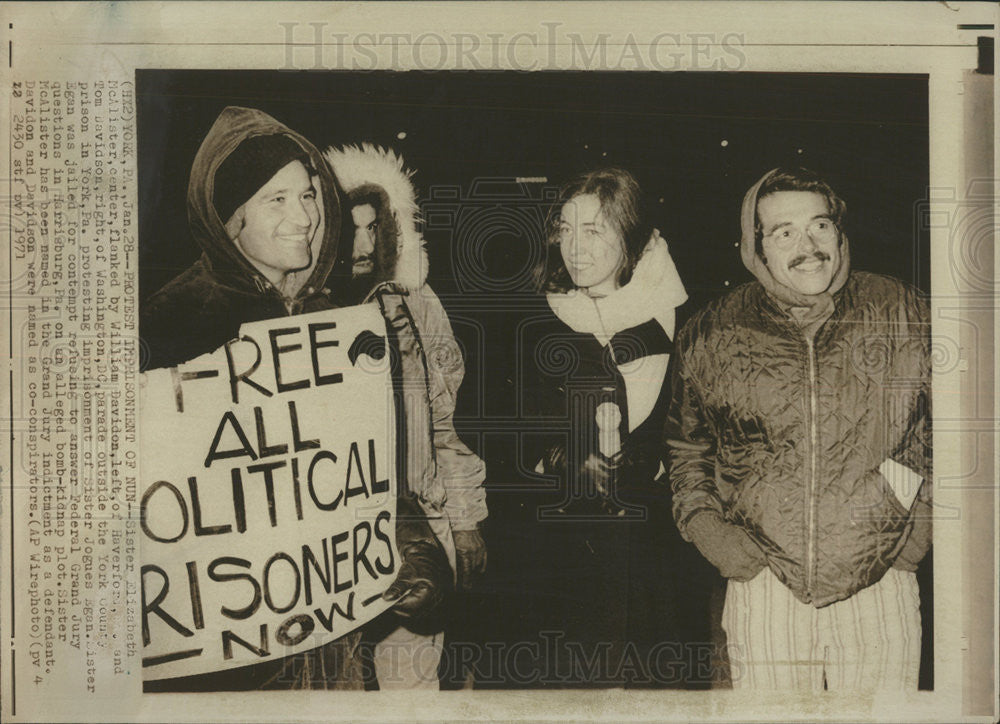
(820, 255)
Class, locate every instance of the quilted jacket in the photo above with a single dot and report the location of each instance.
(789, 436)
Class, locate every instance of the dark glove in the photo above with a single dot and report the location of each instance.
(726, 546)
(919, 541)
(414, 590)
(470, 554)
(595, 474)
(554, 460)
(591, 483)
(424, 577)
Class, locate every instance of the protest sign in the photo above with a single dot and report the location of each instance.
(268, 493)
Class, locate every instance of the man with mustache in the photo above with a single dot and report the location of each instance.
(800, 443)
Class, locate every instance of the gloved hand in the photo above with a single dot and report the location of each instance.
(726, 546)
(595, 474)
(554, 460)
(594, 480)
(415, 590)
(470, 555)
(424, 577)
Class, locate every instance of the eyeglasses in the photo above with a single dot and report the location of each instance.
(818, 229)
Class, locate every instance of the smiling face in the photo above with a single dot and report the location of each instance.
(801, 244)
(592, 249)
(279, 223)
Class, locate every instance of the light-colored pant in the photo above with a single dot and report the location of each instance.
(408, 660)
(866, 642)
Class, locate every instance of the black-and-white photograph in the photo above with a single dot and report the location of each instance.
(654, 360)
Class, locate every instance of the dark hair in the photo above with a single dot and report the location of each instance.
(387, 233)
(620, 198)
(798, 179)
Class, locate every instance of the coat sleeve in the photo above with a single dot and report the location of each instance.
(915, 449)
(460, 470)
(698, 507)
(690, 443)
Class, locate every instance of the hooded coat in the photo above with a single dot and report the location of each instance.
(205, 306)
(452, 483)
(804, 422)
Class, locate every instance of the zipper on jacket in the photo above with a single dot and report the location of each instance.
(813, 445)
(266, 288)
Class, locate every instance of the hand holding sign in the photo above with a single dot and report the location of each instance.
(424, 576)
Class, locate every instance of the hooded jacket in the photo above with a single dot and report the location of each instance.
(805, 422)
(452, 479)
(205, 306)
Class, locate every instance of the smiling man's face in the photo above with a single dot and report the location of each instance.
(279, 224)
(801, 243)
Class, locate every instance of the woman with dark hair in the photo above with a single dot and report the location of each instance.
(590, 536)
(613, 194)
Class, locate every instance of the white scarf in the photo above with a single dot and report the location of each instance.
(654, 292)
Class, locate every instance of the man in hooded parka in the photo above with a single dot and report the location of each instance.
(268, 215)
(800, 441)
(389, 263)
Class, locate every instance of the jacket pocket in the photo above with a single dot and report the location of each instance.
(871, 501)
(902, 483)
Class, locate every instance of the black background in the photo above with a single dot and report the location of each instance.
(695, 141)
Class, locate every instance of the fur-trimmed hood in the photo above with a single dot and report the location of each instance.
(376, 175)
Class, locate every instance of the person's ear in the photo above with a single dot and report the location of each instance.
(235, 224)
